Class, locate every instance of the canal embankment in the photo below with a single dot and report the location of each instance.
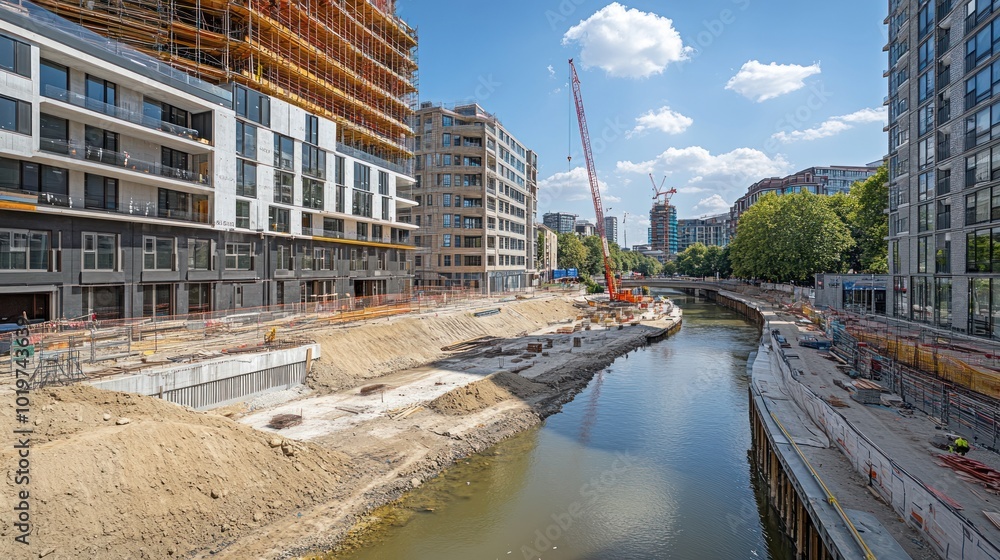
(826, 457)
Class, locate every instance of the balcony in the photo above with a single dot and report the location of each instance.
(111, 158)
(134, 117)
(353, 236)
(123, 208)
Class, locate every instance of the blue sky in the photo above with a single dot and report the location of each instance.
(713, 95)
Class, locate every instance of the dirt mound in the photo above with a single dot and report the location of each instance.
(115, 475)
(352, 355)
(485, 393)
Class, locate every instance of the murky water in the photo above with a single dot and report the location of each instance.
(649, 462)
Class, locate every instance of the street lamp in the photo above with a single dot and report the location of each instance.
(625, 229)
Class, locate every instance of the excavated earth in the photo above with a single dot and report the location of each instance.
(115, 475)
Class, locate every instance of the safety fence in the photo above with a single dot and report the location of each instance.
(85, 340)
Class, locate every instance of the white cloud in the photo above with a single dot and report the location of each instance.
(761, 82)
(627, 43)
(663, 119)
(573, 186)
(833, 126)
(741, 163)
(714, 204)
(552, 71)
(690, 190)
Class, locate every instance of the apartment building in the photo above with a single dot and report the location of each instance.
(560, 222)
(129, 188)
(476, 189)
(662, 235)
(611, 228)
(709, 230)
(944, 64)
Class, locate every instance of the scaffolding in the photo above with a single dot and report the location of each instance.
(352, 61)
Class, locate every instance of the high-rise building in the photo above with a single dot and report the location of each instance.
(611, 228)
(351, 61)
(663, 229)
(945, 265)
(709, 231)
(585, 228)
(129, 188)
(560, 222)
(476, 193)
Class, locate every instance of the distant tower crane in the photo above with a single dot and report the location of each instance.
(658, 191)
(609, 275)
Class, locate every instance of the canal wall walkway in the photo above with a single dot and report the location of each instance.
(887, 451)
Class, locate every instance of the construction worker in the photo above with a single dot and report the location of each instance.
(961, 446)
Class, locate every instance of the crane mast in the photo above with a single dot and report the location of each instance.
(609, 276)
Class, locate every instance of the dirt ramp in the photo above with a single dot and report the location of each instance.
(487, 392)
(114, 475)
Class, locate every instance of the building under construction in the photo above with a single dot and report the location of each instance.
(352, 61)
(663, 229)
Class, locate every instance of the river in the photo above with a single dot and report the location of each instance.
(650, 461)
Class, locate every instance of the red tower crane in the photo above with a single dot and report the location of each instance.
(609, 275)
(658, 191)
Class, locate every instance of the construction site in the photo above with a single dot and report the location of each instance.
(352, 61)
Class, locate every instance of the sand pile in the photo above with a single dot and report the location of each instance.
(485, 393)
(115, 475)
(351, 355)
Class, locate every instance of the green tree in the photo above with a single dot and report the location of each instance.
(691, 261)
(594, 264)
(648, 266)
(571, 252)
(789, 238)
(870, 222)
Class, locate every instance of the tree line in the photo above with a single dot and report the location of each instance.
(780, 238)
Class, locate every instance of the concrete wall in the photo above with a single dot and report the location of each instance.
(220, 381)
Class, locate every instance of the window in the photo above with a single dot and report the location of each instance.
(15, 115)
(278, 219)
(943, 214)
(158, 253)
(100, 251)
(942, 301)
(472, 260)
(252, 106)
(446, 220)
(942, 254)
(362, 204)
(446, 200)
(925, 54)
(100, 192)
(312, 193)
(362, 231)
(53, 80)
(983, 166)
(339, 171)
(243, 214)
(174, 164)
(447, 260)
(446, 139)
(283, 189)
(983, 85)
(312, 129)
(199, 298)
(238, 256)
(157, 300)
(200, 254)
(284, 152)
(362, 176)
(102, 95)
(24, 249)
(246, 178)
(341, 198)
(15, 56)
(246, 140)
(319, 258)
(982, 206)
(925, 123)
(446, 120)
(54, 134)
(446, 240)
(385, 208)
(383, 183)
(333, 227)
(313, 162)
(925, 153)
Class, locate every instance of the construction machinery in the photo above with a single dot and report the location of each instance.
(614, 291)
(658, 191)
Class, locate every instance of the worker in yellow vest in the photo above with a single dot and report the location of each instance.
(961, 446)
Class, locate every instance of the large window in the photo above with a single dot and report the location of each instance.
(100, 193)
(199, 298)
(22, 249)
(942, 301)
(243, 214)
(246, 140)
(312, 193)
(252, 106)
(199, 254)
(383, 183)
(15, 115)
(362, 177)
(982, 206)
(339, 171)
(333, 227)
(942, 253)
(158, 253)
(313, 162)
(53, 80)
(15, 56)
(157, 300)
(100, 251)
(53, 134)
(246, 178)
(983, 85)
(102, 95)
(278, 219)
(102, 146)
(362, 204)
(312, 129)
(983, 166)
(238, 256)
(284, 152)
(283, 187)
(984, 307)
